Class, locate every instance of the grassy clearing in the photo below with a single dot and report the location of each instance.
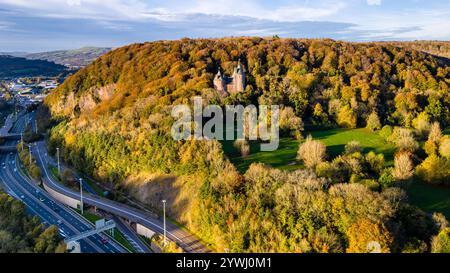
(430, 198)
(285, 157)
(335, 139)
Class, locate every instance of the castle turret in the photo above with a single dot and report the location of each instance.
(239, 78)
(219, 83)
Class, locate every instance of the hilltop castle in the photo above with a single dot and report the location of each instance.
(230, 85)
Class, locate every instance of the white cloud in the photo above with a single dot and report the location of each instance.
(73, 2)
(253, 8)
(373, 2)
(170, 10)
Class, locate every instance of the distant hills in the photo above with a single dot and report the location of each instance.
(437, 48)
(20, 67)
(70, 58)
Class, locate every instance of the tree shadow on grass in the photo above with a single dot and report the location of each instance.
(324, 134)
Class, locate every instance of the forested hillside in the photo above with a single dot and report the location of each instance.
(74, 58)
(21, 67)
(113, 121)
(438, 48)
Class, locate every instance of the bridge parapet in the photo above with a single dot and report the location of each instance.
(7, 149)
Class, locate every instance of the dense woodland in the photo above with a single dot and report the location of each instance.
(112, 120)
(20, 232)
(438, 48)
(11, 67)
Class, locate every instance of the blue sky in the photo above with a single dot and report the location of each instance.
(42, 25)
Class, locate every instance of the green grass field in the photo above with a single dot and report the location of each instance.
(335, 139)
(427, 197)
(430, 198)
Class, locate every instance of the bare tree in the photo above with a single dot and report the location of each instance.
(312, 152)
(435, 132)
(404, 167)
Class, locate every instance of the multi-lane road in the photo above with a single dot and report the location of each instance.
(185, 240)
(43, 205)
(40, 203)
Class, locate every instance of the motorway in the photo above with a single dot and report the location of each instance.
(127, 232)
(186, 241)
(40, 203)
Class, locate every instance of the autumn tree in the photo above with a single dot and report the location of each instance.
(368, 236)
(311, 152)
(422, 124)
(441, 242)
(373, 122)
(347, 117)
(289, 122)
(404, 140)
(403, 167)
(444, 148)
(431, 146)
(434, 169)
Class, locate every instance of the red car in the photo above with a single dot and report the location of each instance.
(104, 241)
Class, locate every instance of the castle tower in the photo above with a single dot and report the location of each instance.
(219, 83)
(239, 78)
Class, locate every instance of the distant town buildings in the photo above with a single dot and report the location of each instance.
(230, 85)
(28, 90)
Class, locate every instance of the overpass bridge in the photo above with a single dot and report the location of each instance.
(5, 130)
(7, 149)
(9, 122)
(10, 136)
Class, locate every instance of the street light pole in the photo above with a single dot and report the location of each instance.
(81, 195)
(21, 140)
(29, 149)
(59, 170)
(164, 212)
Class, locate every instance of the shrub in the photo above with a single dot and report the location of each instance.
(353, 147)
(325, 169)
(243, 146)
(386, 132)
(375, 161)
(441, 242)
(387, 179)
(371, 184)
